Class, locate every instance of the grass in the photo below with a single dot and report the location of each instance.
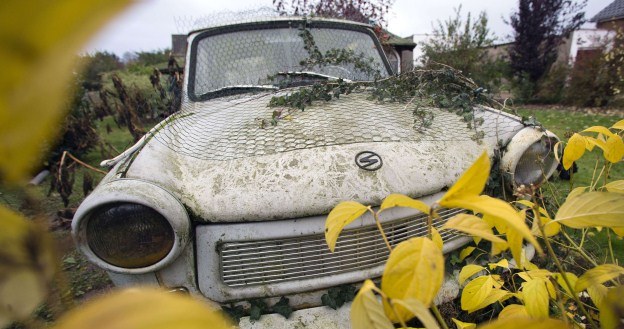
(563, 123)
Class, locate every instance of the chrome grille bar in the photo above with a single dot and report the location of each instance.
(248, 263)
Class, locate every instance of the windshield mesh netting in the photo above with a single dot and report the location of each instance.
(237, 69)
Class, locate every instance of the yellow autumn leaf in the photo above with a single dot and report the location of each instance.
(472, 181)
(574, 150)
(513, 311)
(535, 296)
(572, 278)
(468, 271)
(592, 209)
(516, 322)
(342, 215)
(472, 225)
(400, 200)
(618, 125)
(366, 311)
(614, 149)
(415, 269)
(600, 130)
(496, 295)
(500, 211)
(437, 238)
(475, 292)
(591, 142)
(576, 192)
(419, 310)
(514, 241)
(612, 308)
(551, 228)
(38, 43)
(598, 275)
(597, 293)
(615, 187)
(27, 266)
(504, 263)
(144, 308)
(463, 325)
(466, 252)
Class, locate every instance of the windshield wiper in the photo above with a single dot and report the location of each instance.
(245, 87)
(311, 74)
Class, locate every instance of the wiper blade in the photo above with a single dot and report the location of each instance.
(245, 87)
(311, 74)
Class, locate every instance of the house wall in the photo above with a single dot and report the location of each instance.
(611, 25)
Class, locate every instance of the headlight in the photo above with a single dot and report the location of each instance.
(535, 163)
(129, 235)
(529, 157)
(131, 226)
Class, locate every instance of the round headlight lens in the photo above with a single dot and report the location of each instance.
(129, 235)
(536, 163)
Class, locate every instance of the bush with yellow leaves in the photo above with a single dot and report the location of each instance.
(414, 271)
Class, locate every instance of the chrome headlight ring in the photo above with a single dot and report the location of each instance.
(529, 157)
(136, 209)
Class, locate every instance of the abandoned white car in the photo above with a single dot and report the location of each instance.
(281, 120)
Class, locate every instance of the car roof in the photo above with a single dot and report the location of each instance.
(269, 19)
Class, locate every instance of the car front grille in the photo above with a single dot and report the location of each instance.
(248, 263)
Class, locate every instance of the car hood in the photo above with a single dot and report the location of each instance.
(225, 165)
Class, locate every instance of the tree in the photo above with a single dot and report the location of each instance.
(364, 11)
(539, 27)
(460, 44)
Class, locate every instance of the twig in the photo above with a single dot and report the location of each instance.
(79, 162)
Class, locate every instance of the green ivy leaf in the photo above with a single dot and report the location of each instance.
(283, 308)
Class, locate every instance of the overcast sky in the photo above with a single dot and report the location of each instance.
(148, 24)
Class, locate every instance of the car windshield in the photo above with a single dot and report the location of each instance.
(265, 58)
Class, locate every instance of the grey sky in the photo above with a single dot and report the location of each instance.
(148, 24)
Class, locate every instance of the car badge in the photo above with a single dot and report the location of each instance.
(368, 160)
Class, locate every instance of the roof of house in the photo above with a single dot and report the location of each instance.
(613, 11)
(395, 40)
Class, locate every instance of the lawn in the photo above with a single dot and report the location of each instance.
(564, 122)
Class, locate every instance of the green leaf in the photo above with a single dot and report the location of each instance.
(574, 150)
(400, 200)
(598, 275)
(471, 182)
(366, 311)
(535, 296)
(468, 271)
(592, 209)
(419, 310)
(472, 225)
(283, 308)
(415, 269)
(343, 214)
(256, 309)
